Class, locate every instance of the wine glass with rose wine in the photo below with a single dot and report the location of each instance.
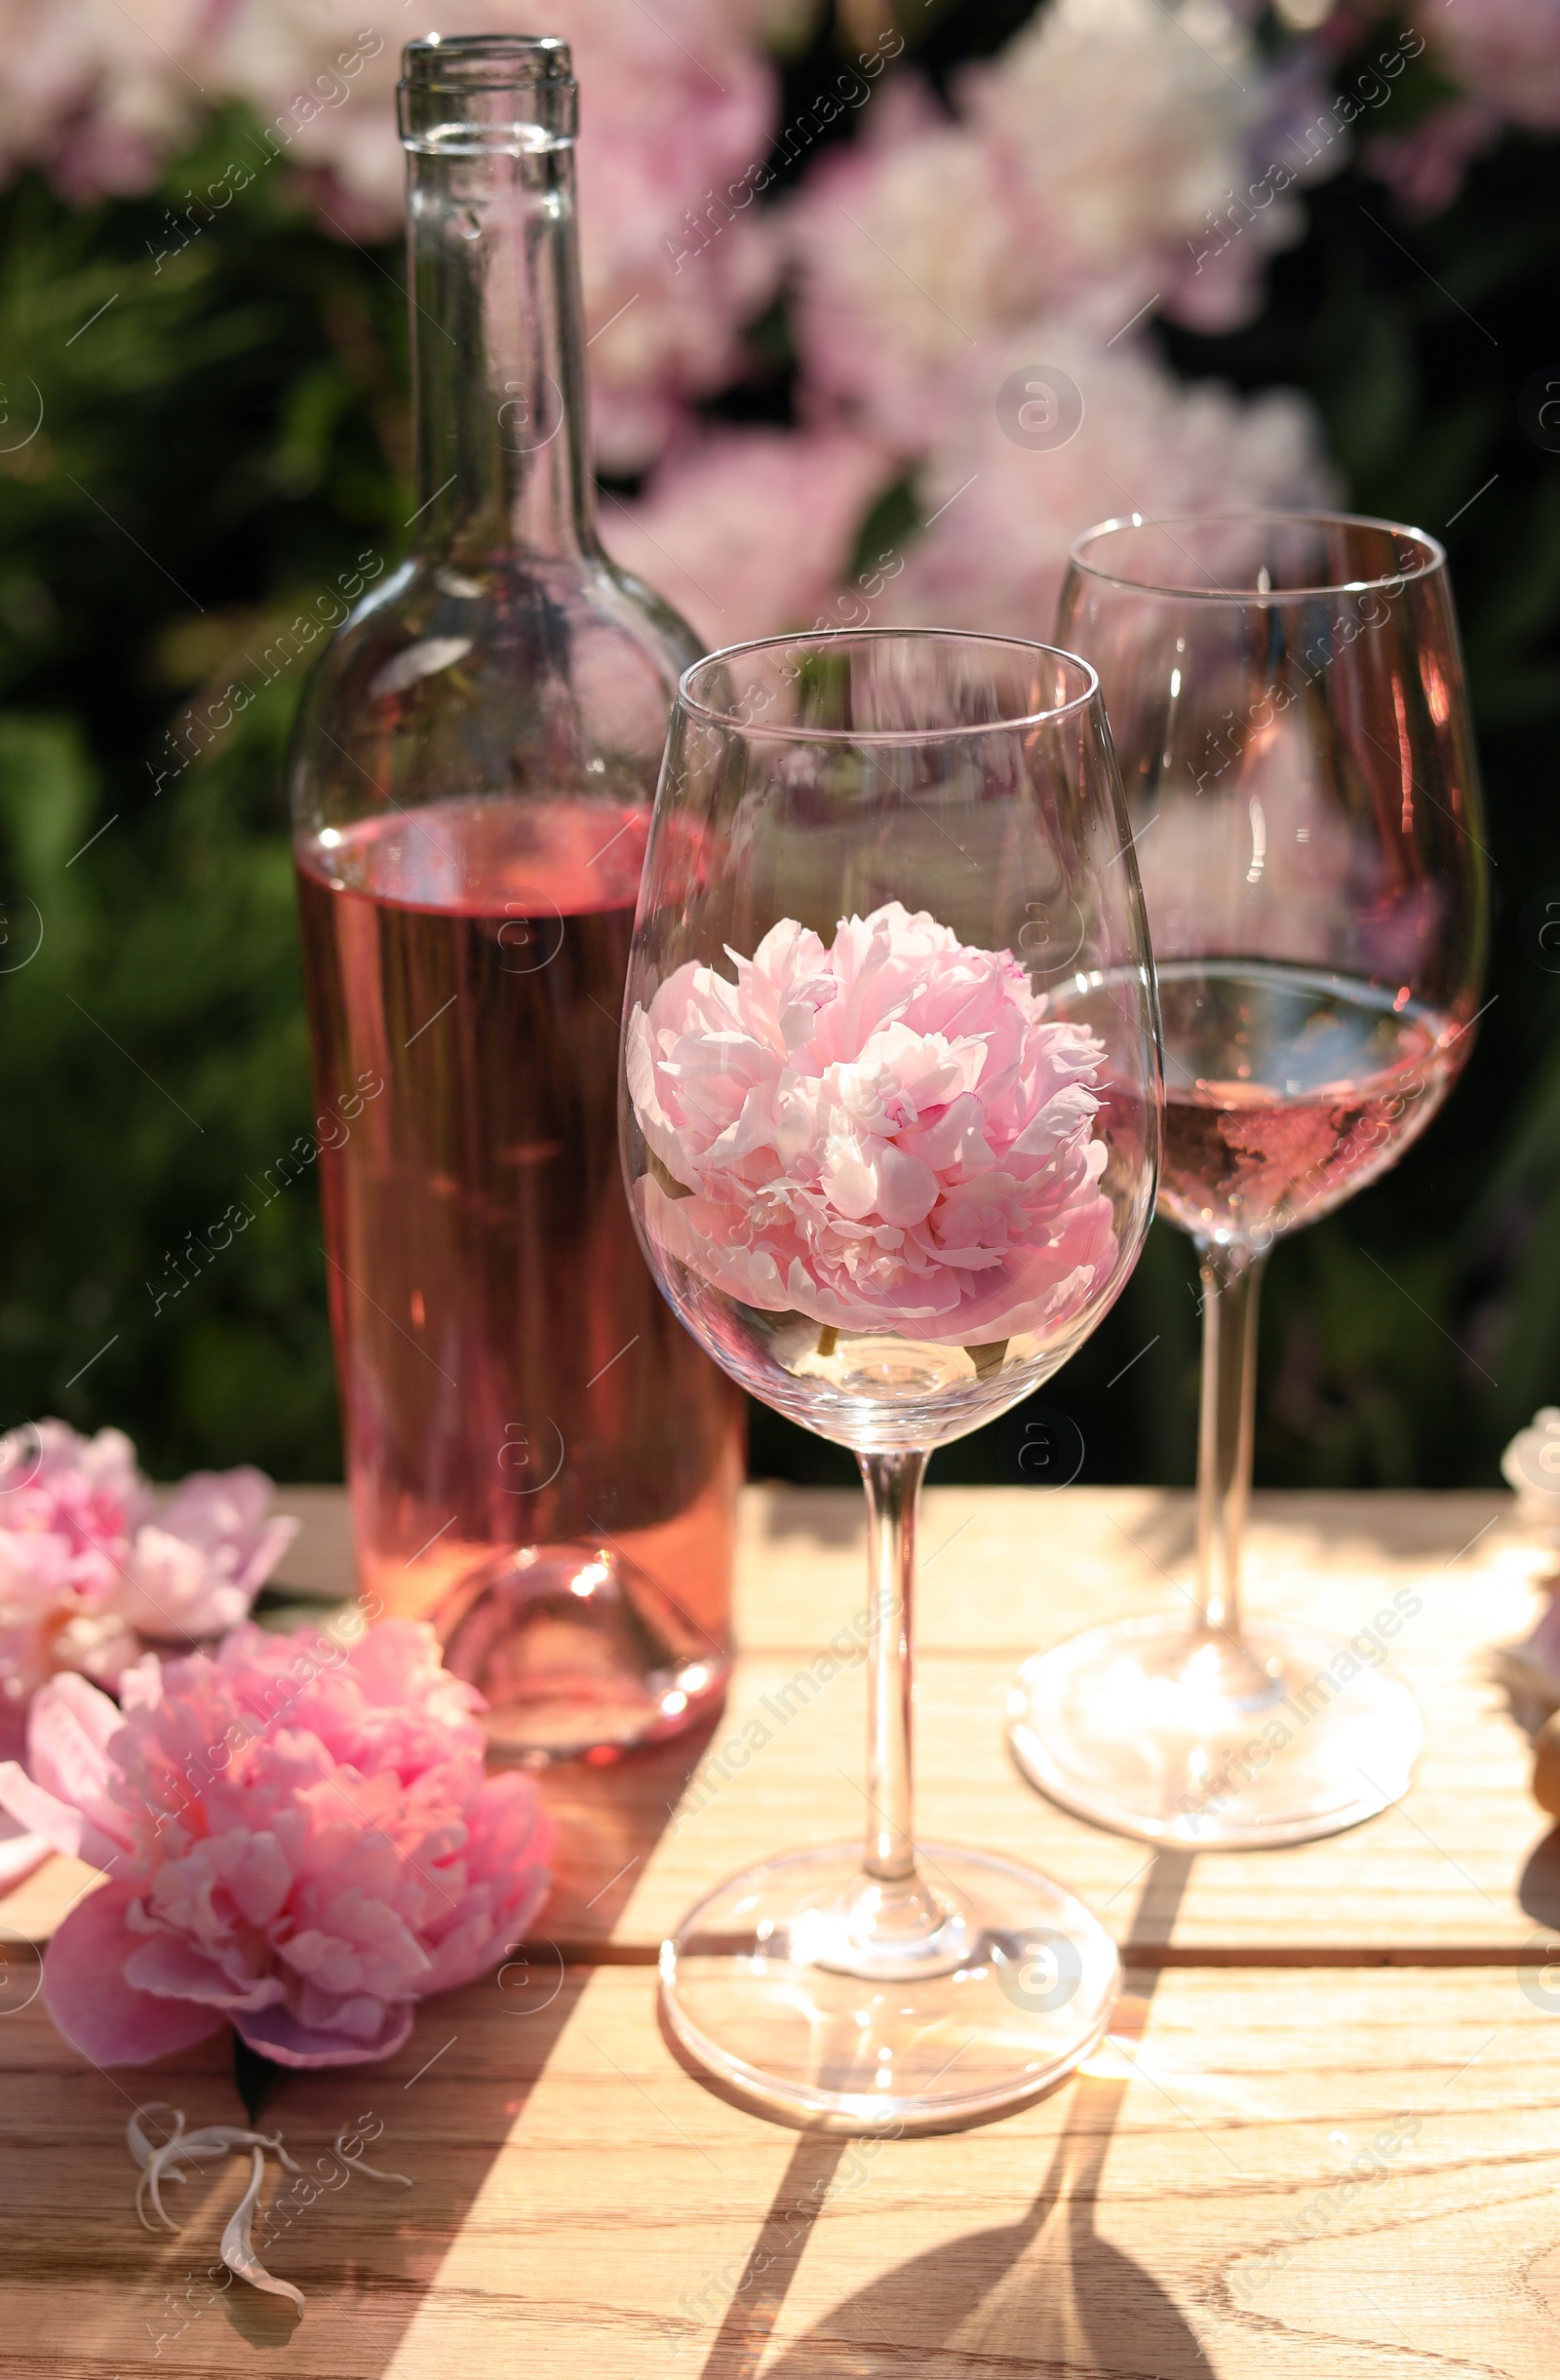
(889, 1194)
(1286, 696)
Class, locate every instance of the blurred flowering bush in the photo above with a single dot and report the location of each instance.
(884, 303)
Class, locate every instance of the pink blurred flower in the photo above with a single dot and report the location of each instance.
(1212, 279)
(676, 106)
(1004, 514)
(97, 95)
(750, 530)
(908, 251)
(1506, 54)
(677, 112)
(90, 1566)
(1083, 161)
(1425, 167)
(196, 1567)
(883, 1135)
(679, 106)
(1124, 122)
(303, 1838)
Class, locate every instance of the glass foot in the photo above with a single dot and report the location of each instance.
(577, 1652)
(1144, 1728)
(850, 2007)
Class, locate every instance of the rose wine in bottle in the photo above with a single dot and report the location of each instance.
(540, 1459)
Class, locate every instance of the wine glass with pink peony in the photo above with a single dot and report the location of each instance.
(890, 1193)
(1286, 696)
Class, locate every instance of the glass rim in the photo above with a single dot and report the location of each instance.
(817, 639)
(1432, 555)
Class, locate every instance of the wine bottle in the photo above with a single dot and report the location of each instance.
(539, 1458)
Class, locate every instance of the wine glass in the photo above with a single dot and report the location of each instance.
(890, 1197)
(1286, 696)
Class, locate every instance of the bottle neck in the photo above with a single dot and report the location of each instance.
(498, 356)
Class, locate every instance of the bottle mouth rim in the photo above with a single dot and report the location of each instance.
(474, 95)
(487, 61)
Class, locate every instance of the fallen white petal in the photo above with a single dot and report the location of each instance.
(166, 2162)
(141, 2148)
(356, 2166)
(215, 2139)
(238, 2248)
(161, 2163)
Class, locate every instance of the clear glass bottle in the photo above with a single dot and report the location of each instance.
(539, 1458)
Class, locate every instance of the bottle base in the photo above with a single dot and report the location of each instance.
(577, 1653)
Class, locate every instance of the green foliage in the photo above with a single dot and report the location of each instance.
(1407, 1336)
(224, 433)
(220, 441)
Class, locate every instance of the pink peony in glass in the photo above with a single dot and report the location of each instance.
(883, 1135)
(303, 1838)
(890, 1106)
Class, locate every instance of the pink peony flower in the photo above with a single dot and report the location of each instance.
(1001, 516)
(679, 107)
(676, 106)
(303, 1840)
(1424, 168)
(97, 95)
(751, 530)
(1506, 55)
(1086, 164)
(1504, 58)
(883, 1135)
(90, 1566)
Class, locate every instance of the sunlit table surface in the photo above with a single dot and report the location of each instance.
(1322, 2140)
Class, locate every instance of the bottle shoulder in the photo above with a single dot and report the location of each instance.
(507, 675)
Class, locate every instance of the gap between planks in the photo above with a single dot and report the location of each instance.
(1154, 1955)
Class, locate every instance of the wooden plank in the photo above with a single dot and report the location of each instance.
(319, 1561)
(1467, 1869)
(1301, 2176)
(1003, 1569)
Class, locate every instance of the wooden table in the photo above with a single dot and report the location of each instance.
(1321, 2141)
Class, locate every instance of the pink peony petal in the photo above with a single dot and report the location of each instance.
(55, 1824)
(269, 1547)
(20, 1852)
(172, 1969)
(69, 1730)
(278, 2034)
(215, 1508)
(89, 2000)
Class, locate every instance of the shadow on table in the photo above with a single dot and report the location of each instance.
(365, 2253)
(1539, 1889)
(1045, 2293)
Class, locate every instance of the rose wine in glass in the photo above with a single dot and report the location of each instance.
(538, 1460)
(1287, 1090)
(890, 1191)
(1286, 697)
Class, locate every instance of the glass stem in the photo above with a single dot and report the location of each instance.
(893, 1490)
(1231, 1280)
